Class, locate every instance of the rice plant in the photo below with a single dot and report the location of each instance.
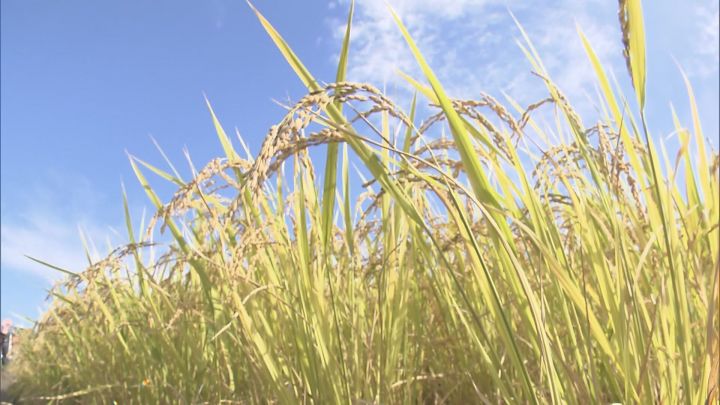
(506, 263)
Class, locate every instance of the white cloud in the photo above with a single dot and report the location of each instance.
(43, 238)
(706, 40)
(46, 224)
(472, 47)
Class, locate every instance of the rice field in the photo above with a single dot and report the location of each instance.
(482, 258)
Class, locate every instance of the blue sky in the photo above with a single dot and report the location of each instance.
(82, 82)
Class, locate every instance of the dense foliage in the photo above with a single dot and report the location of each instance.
(509, 263)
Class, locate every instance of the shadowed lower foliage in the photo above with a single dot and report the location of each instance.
(507, 263)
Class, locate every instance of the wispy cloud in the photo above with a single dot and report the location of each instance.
(472, 44)
(706, 40)
(46, 238)
(46, 223)
(219, 9)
